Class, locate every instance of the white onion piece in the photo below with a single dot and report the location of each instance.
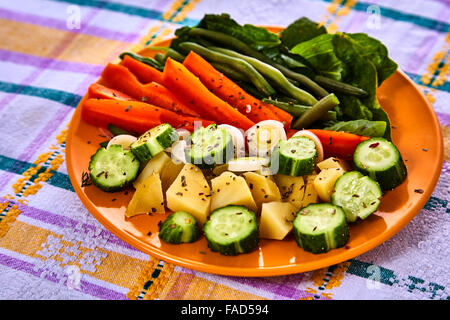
(238, 139)
(125, 140)
(264, 136)
(316, 140)
(183, 134)
(247, 164)
(177, 152)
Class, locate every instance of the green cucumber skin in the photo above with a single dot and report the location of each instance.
(293, 167)
(213, 158)
(147, 150)
(172, 232)
(389, 178)
(232, 248)
(130, 177)
(335, 197)
(318, 243)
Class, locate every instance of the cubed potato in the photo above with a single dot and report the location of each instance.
(324, 182)
(148, 197)
(311, 195)
(154, 165)
(190, 192)
(263, 189)
(169, 173)
(276, 220)
(292, 189)
(229, 188)
(334, 163)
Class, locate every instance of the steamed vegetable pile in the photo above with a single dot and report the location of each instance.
(247, 134)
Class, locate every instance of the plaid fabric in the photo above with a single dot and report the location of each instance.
(52, 248)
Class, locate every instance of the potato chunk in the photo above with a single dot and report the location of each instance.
(292, 189)
(190, 192)
(229, 188)
(276, 220)
(148, 197)
(324, 182)
(263, 189)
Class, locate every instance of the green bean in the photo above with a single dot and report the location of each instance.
(229, 72)
(160, 58)
(238, 64)
(169, 52)
(341, 87)
(116, 130)
(316, 112)
(298, 110)
(232, 42)
(147, 60)
(274, 75)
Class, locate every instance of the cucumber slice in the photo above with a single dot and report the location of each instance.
(320, 227)
(232, 230)
(210, 146)
(179, 227)
(247, 164)
(113, 169)
(295, 157)
(357, 194)
(380, 159)
(154, 141)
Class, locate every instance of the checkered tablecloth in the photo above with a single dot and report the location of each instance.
(52, 248)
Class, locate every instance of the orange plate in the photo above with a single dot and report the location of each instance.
(415, 127)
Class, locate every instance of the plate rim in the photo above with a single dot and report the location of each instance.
(269, 270)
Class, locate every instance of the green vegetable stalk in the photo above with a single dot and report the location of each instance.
(147, 60)
(360, 127)
(273, 75)
(240, 65)
(298, 110)
(316, 112)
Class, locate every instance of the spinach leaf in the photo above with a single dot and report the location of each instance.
(257, 37)
(320, 53)
(377, 53)
(299, 31)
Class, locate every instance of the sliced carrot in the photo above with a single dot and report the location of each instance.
(338, 144)
(134, 116)
(161, 96)
(230, 92)
(142, 71)
(99, 91)
(120, 78)
(189, 88)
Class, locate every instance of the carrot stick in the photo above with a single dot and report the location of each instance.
(120, 78)
(230, 92)
(99, 91)
(142, 71)
(134, 116)
(189, 88)
(161, 96)
(338, 144)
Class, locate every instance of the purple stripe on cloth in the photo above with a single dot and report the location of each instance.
(278, 286)
(47, 63)
(61, 25)
(419, 56)
(65, 222)
(444, 118)
(85, 286)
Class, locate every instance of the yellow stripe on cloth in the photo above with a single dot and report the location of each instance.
(57, 44)
(42, 239)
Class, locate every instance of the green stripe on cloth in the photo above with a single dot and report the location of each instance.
(58, 179)
(64, 97)
(128, 9)
(403, 16)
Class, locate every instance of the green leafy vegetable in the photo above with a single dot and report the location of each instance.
(360, 127)
(299, 31)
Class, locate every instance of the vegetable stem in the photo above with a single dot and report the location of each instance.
(242, 47)
(274, 75)
(341, 87)
(238, 64)
(316, 112)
